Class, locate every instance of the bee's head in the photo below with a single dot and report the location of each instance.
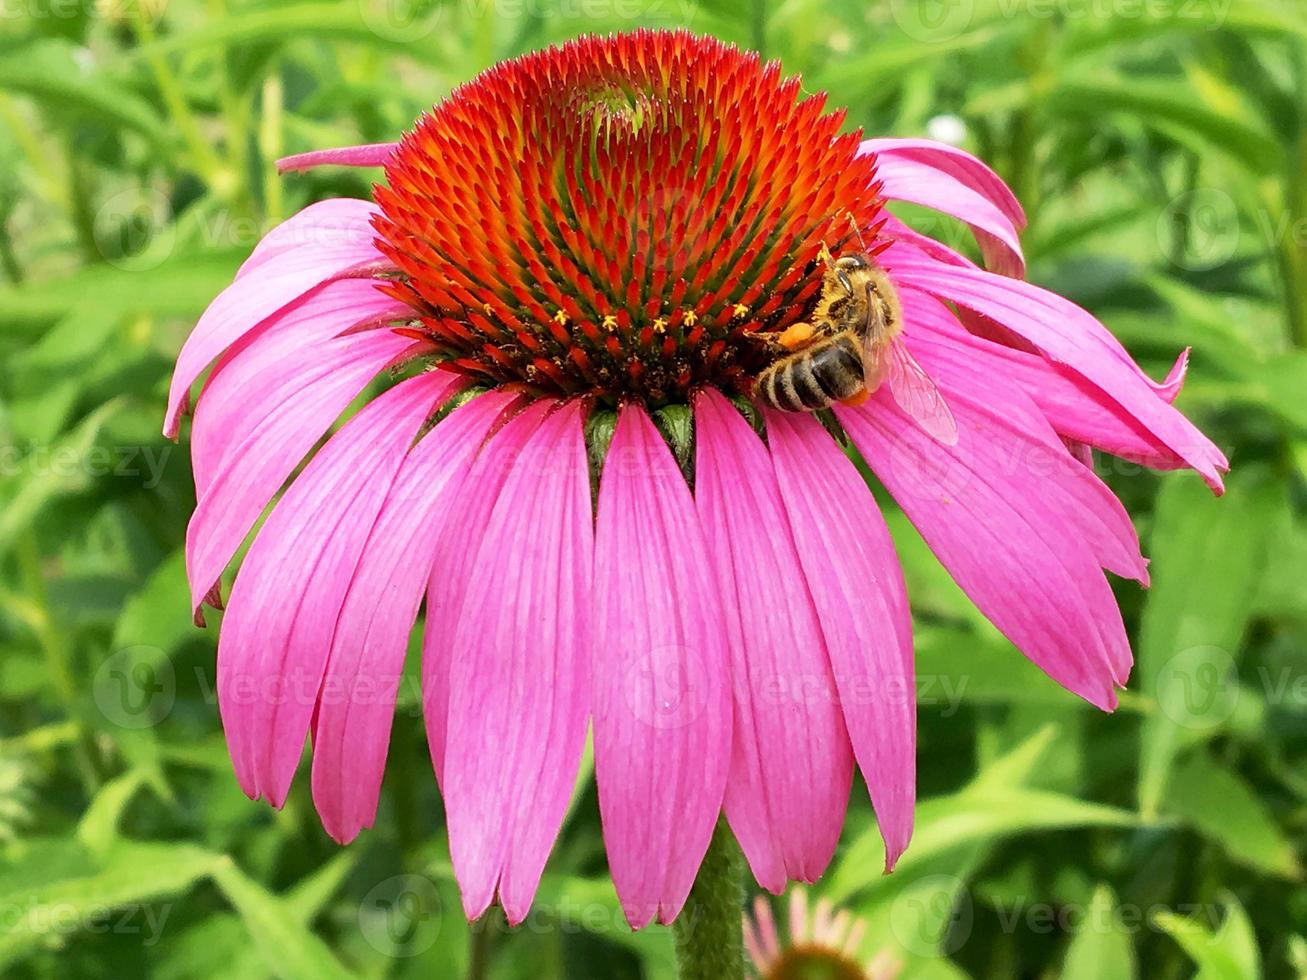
(847, 265)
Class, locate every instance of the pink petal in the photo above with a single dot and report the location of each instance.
(1069, 336)
(366, 155)
(248, 383)
(262, 453)
(662, 712)
(862, 603)
(459, 537)
(1092, 513)
(257, 294)
(896, 230)
(958, 164)
(1076, 409)
(335, 221)
(996, 510)
(272, 651)
(905, 177)
(519, 684)
(352, 730)
(792, 763)
(1170, 388)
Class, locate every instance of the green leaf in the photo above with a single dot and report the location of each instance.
(290, 949)
(51, 73)
(1208, 557)
(69, 891)
(159, 615)
(1154, 100)
(591, 904)
(1228, 954)
(181, 286)
(993, 806)
(98, 828)
(44, 475)
(958, 667)
(1101, 948)
(296, 22)
(1223, 807)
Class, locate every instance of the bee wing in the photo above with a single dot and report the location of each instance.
(916, 394)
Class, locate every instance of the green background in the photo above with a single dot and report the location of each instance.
(1160, 148)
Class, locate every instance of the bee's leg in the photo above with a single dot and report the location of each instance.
(786, 341)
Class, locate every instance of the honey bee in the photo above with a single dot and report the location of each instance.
(849, 347)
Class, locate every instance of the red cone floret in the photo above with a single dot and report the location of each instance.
(617, 216)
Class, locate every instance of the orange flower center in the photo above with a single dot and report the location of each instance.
(618, 216)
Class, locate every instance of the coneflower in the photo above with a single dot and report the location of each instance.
(823, 943)
(578, 264)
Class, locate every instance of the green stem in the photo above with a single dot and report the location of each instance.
(709, 934)
(202, 157)
(8, 257)
(270, 146)
(80, 209)
(482, 934)
(1293, 249)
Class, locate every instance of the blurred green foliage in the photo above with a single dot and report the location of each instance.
(1160, 147)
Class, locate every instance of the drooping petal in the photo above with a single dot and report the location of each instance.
(272, 652)
(260, 458)
(1068, 335)
(336, 221)
(959, 164)
(365, 155)
(471, 501)
(1076, 409)
(1090, 513)
(1170, 388)
(791, 764)
(1003, 528)
(248, 383)
(258, 293)
(896, 230)
(862, 603)
(519, 684)
(352, 729)
(662, 711)
(915, 178)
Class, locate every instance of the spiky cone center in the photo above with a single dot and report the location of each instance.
(814, 963)
(619, 216)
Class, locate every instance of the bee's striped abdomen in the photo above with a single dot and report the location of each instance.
(812, 378)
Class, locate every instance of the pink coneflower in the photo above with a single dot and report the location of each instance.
(613, 229)
(823, 943)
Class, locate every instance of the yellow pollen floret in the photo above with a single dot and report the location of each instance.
(690, 318)
(660, 325)
(560, 318)
(610, 322)
(741, 310)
